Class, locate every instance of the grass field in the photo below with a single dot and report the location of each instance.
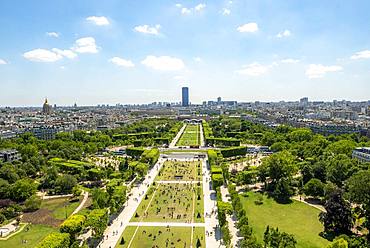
(33, 236)
(171, 203)
(190, 136)
(177, 237)
(296, 218)
(185, 171)
(60, 207)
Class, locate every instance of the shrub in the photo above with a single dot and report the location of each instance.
(55, 240)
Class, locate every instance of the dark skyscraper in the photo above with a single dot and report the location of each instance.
(185, 96)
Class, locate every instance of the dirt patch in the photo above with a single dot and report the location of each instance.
(42, 216)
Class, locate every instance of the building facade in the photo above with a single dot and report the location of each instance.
(185, 97)
(362, 154)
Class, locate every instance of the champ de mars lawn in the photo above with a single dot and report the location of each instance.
(295, 218)
(154, 236)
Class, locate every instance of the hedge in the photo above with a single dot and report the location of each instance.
(223, 142)
(212, 157)
(134, 151)
(55, 240)
(150, 156)
(217, 180)
(233, 151)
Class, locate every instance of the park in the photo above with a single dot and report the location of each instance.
(190, 136)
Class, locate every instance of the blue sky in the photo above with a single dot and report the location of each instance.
(115, 51)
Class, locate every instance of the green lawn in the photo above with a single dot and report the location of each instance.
(295, 218)
(185, 171)
(177, 237)
(190, 136)
(60, 207)
(171, 203)
(33, 236)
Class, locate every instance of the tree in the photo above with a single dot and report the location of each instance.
(73, 225)
(282, 191)
(9, 173)
(339, 169)
(279, 166)
(98, 221)
(359, 192)
(4, 189)
(65, 183)
(273, 238)
(33, 203)
(22, 189)
(100, 198)
(226, 236)
(338, 243)
(338, 216)
(314, 188)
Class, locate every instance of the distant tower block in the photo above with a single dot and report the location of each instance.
(185, 96)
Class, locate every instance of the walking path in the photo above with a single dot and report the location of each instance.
(302, 199)
(177, 137)
(137, 194)
(213, 232)
(202, 143)
(86, 196)
(171, 224)
(231, 220)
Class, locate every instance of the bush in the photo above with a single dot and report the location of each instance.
(73, 224)
(33, 203)
(55, 240)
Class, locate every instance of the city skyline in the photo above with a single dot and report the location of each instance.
(121, 52)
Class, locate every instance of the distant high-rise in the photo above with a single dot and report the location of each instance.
(219, 99)
(185, 96)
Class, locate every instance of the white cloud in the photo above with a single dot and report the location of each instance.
(85, 45)
(318, 70)
(365, 54)
(42, 55)
(199, 7)
(3, 62)
(121, 62)
(248, 28)
(146, 29)
(185, 11)
(65, 53)
(197, 59)
(188, 11)
(254, 69)
(285, 33)
(98, 20)
(52, 34)
(226, 11)
(289, 61)
(163, 63)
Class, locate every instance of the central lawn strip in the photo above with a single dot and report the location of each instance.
(295, 218)
(180, 170)
(190, 136)
(155, 236)
(172, 203)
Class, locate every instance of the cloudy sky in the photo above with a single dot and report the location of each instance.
(116, 51)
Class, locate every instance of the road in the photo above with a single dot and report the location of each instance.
(177, 137)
